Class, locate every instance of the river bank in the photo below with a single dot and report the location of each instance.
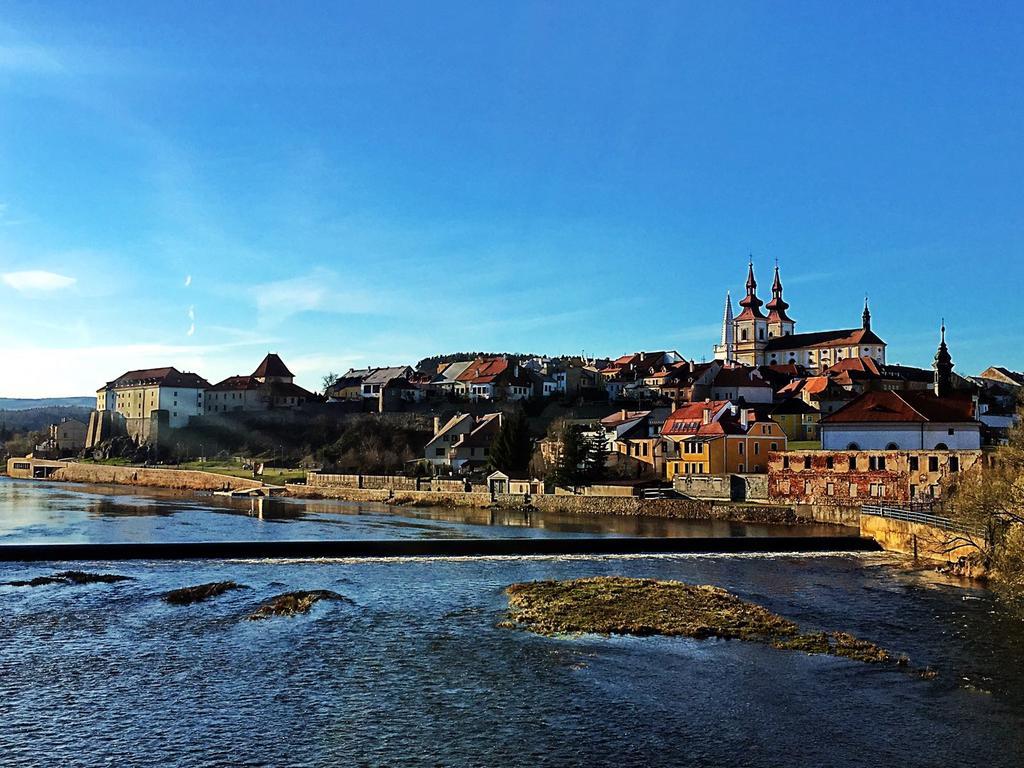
(631, 506)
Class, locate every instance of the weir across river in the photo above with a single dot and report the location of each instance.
(490, 547)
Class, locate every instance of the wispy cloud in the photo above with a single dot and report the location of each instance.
(192, 321)
(320, 291)
(37, 280)
(32, 59)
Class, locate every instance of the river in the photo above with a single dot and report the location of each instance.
(415, 671)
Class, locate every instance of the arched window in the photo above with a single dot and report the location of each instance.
(743, 335)
(941, 447)
(892, 447)
(853, 447)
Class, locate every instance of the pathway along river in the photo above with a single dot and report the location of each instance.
(415, 672)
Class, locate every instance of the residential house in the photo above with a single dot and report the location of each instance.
(637, 435)
(798, 419)
(463, 442)
(719, 437)
(496, 379)
(822, 392)
(741, 384)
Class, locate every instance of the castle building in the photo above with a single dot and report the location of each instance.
(753, 338)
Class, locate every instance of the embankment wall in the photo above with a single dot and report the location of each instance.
(179, 479)
(923, 541)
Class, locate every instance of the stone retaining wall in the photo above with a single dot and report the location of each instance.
(179, 479)
(922, 541)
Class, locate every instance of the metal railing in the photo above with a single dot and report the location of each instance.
(912, 515)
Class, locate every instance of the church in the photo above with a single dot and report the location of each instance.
(754, 338)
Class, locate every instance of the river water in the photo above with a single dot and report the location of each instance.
(415, 671)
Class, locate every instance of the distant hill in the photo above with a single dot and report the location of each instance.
(24, 404)
(31, 419)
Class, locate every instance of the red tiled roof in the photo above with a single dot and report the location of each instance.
(164, 377)
(906, 407)
(861, 364)
(688, 418)
(846, 337)
(274, 366)
(235, 383)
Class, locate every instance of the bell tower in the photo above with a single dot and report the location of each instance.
(751, 325)
(779, 323)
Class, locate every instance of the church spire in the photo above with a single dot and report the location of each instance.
(777, 306)
(943, 366)
(750, 303)
(865, 317)
(728, 329)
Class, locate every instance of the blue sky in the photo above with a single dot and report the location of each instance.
(368, 183)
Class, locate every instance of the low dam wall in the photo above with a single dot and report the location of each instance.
(178, 479)
(525, 546)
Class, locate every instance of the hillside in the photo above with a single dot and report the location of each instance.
(24, 404)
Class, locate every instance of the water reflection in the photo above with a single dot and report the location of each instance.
(33, 511)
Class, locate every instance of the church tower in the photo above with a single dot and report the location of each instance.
(779, 323)
(726, 351)
(943, 365)
(865, 317)
(751, 325)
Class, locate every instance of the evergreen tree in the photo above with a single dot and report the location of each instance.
(597, 458)
(570, 469)
(512, 448)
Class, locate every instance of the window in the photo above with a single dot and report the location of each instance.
(954, 463)
(741, 449)
(876, 463)
(439, 451)
(951, 432)
(830, 489)
(785, 462)
(913, 491)
(892, 447)
(830, 462)
(853, 463)
(914, 464)
(757, 449)
(807, 462)
(933, 463)
(774, 446)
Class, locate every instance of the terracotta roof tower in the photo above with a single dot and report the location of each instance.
(777, 306)
(943, 365)
(750, 303)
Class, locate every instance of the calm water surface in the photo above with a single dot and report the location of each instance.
(34, 512)
(415, 672)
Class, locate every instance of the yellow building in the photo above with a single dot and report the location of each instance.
(137, 396)
(716, 438)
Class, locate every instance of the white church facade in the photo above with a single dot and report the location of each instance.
(753, 338)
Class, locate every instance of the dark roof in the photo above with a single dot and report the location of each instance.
(792, 406)
(823, 338)
(164, 377)
(235, 383)
(739, 376)
(272, 365)
(914, 407)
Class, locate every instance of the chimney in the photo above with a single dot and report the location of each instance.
(744, 418)
(707, 415)
(437, 424)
